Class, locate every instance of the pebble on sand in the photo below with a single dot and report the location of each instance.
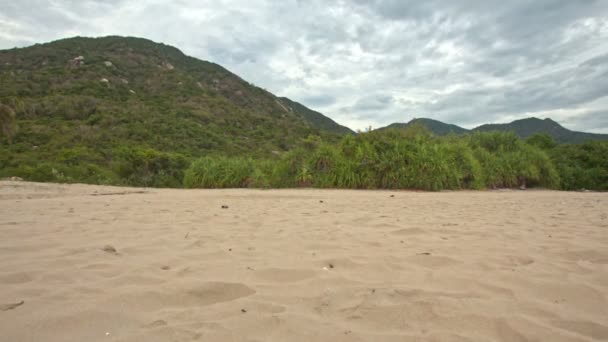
(109, 249)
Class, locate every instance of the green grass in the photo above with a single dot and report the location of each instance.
(220, 172)
(389, 160)
(377, 160)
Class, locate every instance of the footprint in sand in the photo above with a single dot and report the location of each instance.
(208, 293)
(284, 275)
(591, 329)
(408, 231)
(15, 278)
(521, 261)
(589, 255)
(431, 261)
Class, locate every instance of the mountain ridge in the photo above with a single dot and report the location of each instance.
(435, 126)
(524, 128)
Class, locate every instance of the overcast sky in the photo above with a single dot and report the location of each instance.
(372, 62)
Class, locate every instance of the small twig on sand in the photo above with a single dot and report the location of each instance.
(6, 307)
(120, 193)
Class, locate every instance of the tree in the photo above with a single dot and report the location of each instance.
(542, 140)
(8, 122)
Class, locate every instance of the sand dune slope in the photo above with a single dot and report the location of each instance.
(92, 263)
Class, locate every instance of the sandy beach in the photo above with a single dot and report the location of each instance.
(95, 263)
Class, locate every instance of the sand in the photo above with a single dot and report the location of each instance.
(93, 263)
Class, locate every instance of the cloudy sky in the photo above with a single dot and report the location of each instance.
(372, 62)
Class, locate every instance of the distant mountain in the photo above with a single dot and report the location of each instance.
(527, 127)
(104, 93)
(436, 127)
(315, 119)
(523, 128)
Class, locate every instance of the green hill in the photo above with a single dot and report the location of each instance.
(524, 128)
(436, 127)
(97, 101)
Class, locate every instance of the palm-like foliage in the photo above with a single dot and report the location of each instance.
(7, 122)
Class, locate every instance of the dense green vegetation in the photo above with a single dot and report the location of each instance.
(582, 166)
(8, 122)
(410, 158)
(415, 159)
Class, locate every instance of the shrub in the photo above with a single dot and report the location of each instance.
(8, 122)
(583, 166)
(321, 167)
(507, 161)
(542, 140)
(219, 172)
(148, 167)
(466, 171)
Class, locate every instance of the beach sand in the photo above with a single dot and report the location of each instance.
(94, 263)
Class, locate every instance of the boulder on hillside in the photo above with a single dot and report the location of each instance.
(167, 66)
(76, 62)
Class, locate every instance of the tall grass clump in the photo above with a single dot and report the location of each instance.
(507, 161)
(355, 169)
(323, 164)
(149, 167)
(534, 167)
(583, 166)
(465, 170)
(406, 159)
(261, 176)
(291, 170)
(219, 172)
(393, 159)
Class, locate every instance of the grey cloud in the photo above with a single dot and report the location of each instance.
(374, 102)
(562, 89)
(601, 61)
(592, 121)
(319, 100)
